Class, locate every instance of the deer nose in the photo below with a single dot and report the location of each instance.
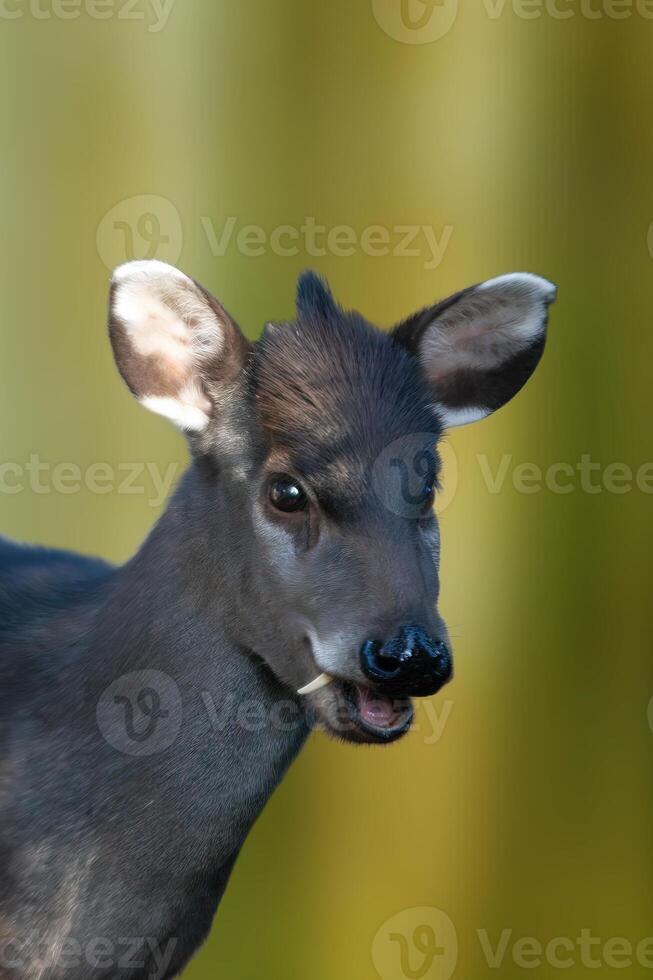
(410, 664)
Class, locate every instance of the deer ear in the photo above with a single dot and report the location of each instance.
(174, 344)
(479, 347)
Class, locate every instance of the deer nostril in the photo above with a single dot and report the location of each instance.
(378, 665)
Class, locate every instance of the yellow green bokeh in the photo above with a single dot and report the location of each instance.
(527, 142)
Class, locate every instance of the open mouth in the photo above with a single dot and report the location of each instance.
(376, 716)
(357, 712)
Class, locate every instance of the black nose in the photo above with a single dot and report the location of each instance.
(411, 664)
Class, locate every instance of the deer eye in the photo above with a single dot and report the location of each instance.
(428, 493)
(428, 497)
(286, 495)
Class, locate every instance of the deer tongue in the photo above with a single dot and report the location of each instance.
(375, 709)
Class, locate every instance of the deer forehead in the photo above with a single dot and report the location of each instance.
(336, 390)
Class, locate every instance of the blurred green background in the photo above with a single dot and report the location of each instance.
(522, 140)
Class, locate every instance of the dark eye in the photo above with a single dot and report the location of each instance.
(286, 495)
(427, 492)
(428, 496)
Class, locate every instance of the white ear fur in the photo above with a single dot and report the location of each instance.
(451, 418)
(169, 329)
(481, 332)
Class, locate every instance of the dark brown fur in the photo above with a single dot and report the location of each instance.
(331, 387)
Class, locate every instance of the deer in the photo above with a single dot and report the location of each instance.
(295, 569)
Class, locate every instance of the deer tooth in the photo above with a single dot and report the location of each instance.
(316, 685)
